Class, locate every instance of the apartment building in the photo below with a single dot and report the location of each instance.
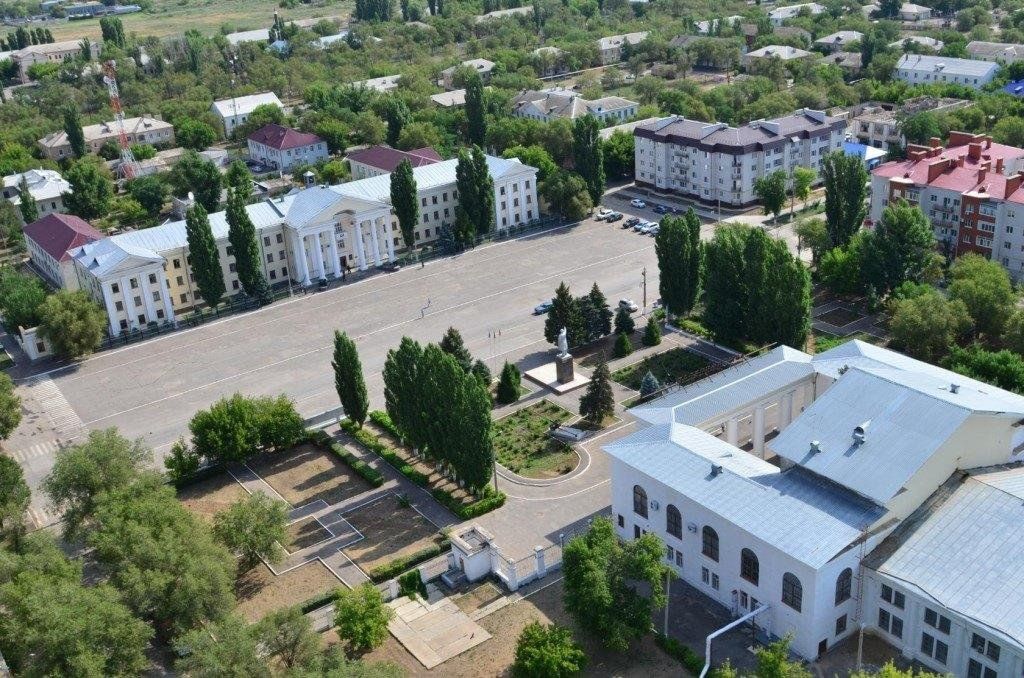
(144, 277)
(283, 148)
(236, 110)
(142, 130)
(483, 68)
(781, 52)
(878, 124)
(610, 49)
(1001, 52)
(923, 69)
(861, 508)
(839, 41)
(47, 188)
(780, 14)
(970, 190)
(53, 52)
(547, 105)
(716, 163)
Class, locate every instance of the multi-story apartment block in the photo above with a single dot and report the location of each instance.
(878, 124)
(922, 69)
(142, 130)
(611, 48)
(970, 190)
(714, 162)
(880, 495)
(144, 277)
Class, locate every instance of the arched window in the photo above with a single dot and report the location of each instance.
(639, 501)
(673, 522)
(750, 569)
(710, 543)
(792, 591)
(843, 585)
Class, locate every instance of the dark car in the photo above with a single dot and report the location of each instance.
(391, 267)
(631, 222)
(614, 216)
(660, 209)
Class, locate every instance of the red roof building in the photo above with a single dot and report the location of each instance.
(48, 241)
(282, 148)
(377, 160)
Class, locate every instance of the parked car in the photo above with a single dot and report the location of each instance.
(391, 267)
(543, 307)
(629, 305)
(614, 216)
(638, 203)
(654, 229)
(646, 228)
(631, 222)
(639, 226)
(603, 214)
(660, 209)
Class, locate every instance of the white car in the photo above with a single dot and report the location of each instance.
(603, 214)
(638, 203)
(629, 305)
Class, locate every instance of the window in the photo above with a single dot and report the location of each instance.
(934, 648)
(705, 575)
(234, 284)
(280, 238)
(843, 585)
(231, 267)
(230, 250)
(679, 558)
(714, 581)
(266, 240)
(894, 597)
(670, 553)
(152, 278)
(639, 501)
(936, 620)
(636, 532)
(976, 670)
(118, 306)
(673, 522)
(749, 567)
(270, 257)
(792, 591)
(177, 263)
(622, 521)
(841, 625)
(709, 545)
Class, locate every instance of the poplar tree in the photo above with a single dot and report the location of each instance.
(725, 284)
(404, 202)
(680, 256)
(402, 383)
(27, 204)
(469, 199)
(397, 116)
(348, 378)
(242, 236)
(846, 193)
(202, 249)
(453, 345)
(471, 421)
(73, 128)
(476, 123)
(588, 156)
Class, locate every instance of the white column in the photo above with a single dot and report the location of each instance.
(165, 297)
(299, 251)
(389, 237)
(758, 439)
(147, 300)
(732, 431)
(374, 227)
(357, 235)
(108, 301)
(335, 260)
(786, 410)
(318, 256)
(129, 302)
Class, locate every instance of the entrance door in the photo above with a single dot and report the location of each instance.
(822, 647)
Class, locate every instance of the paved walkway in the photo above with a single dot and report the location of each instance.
(868, 324)
(434, 632)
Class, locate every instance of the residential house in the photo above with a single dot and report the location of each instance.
(610, 49)
(838, 41)
(47, 188)
(236, 110)
(782, 52)
(483, 67)
(923, 69)
(778, 15)
(283, 148)
(142, 130)
(547, 105)
(1001, 52)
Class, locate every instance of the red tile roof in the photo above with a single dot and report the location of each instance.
(387, 159)
(283, 138)
(57, 233)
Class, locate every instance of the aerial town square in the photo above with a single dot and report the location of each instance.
(473, 338)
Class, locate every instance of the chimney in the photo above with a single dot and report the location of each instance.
(1013, 183)
(935, 142)
(999, 166)
(815, 447)
(960, 138)
(716, 469)
(960, 161)
(308, 178)
(974, 150)
(935, 169)
(982, 171)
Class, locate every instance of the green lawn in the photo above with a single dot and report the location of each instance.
(667, 367)
(523, 446)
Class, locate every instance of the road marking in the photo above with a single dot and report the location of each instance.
(564, 496)
(55, 406)
(387, 328)
(34, 451)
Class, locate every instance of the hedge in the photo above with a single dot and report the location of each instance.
(490, 501)
(318, 601)
(411, 583)
(383, 419)
(392, 569)
(693, 662)
(201, 474)
(362, 469)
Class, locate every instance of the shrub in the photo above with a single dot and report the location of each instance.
(383, 419)
(235, 428)
(694, 327)
(362, 469)
(693, 662)
(411, 583)
(623, 346)
(397, 566)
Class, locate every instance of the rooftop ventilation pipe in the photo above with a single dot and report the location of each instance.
(716, 469)
(815, 447)
(860, 431)
(954, 388)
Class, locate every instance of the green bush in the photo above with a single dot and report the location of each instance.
(411, 583)
(317, 601)
(397, 566)
(364, 470)
(694, 327)
(383, 419)
(693, 662)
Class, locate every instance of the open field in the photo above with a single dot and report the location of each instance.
(169, 17)
(211, 496)
(523, 446)
(259, 592)
(307, 473)
(389, 531)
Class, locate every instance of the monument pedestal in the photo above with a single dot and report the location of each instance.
(564, 370)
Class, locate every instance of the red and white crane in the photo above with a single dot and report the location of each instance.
(129, 165)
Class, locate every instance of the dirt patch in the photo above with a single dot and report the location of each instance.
(307, 473)
(481, 595)
(840, 317)
(495, 656)
(389, 531)
(260, 592)
(211, 496)
(305, 533)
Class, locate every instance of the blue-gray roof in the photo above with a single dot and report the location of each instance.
(964, 549)
(808, 518)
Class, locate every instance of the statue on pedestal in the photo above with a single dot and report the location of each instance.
(563, 361)
(563, 343)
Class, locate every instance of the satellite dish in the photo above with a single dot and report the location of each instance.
(191, 197)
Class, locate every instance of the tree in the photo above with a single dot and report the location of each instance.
(771, 190)
(985, 289)
(405, 202)
(348, 378)
(652, 332)
(14, 499)
(105, 462)
(242, 237)
(476, 124)
(599, 315)
(1004, 369)
(452, 344)
(601, 577)
(508, 384)
(680, 259)
(482, 373)
(624, 323)
(841, 269)
(202, 247)
(726, 284)
(11, 233)
(778, 305)
(919, 128)
(926, 325)
(286, 633)
(182, 460)
(254, 527)
(403, 384)
(649, 385)
(547, 652)
(73, 129)
(902, 247)
(150, 192)
(623, 346)
(598, 402)
(112, 31)
(588, 155)
(1013, 337)
(21, 297)
(362, 617)
(1009, 131)
(72, 322)
(235, 428)
(567, 194)
(773, 660)
(397, 116)
(194, 134)
(196, 175)
(239, 178)
(534, 156)
(846, 192)
(619, 154)
(476, 196)
(226, 649)
(26, 202)
(91, 190)
(803, 179)
(484, 217)
(814, 234)
(565, 312)
(889, 8)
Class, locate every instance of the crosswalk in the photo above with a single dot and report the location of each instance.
(34, 451)
(56, 407)
(40, 517)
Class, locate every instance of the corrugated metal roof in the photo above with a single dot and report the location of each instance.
(806, 517)
(965, 551)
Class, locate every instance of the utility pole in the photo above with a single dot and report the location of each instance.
(644, 275)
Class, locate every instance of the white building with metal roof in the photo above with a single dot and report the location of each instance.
(802, 484)
(236, 110)
(924, 69)
(144, 277)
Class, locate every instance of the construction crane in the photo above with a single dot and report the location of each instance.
(129, 165)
